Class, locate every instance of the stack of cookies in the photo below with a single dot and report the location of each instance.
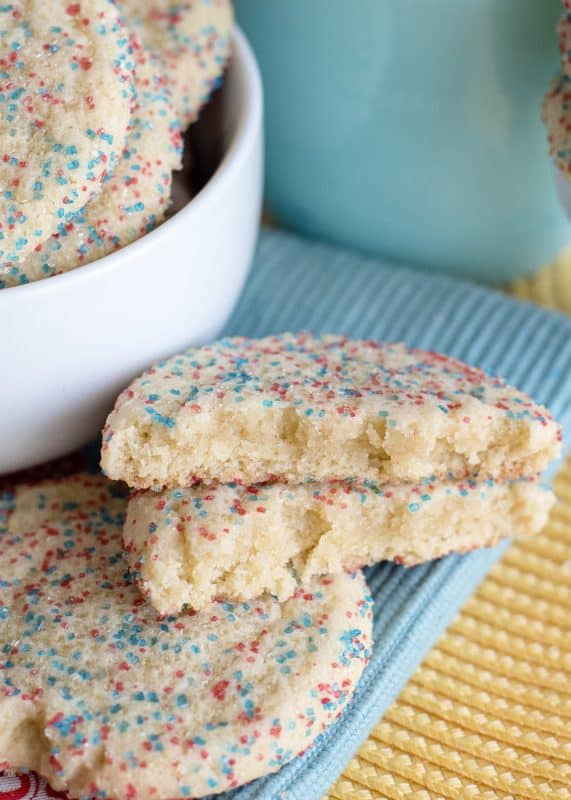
(265, 473)
(108, 699)
(262, 464)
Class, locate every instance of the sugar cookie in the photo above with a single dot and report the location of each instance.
(133, 200)
(298, 407)
(193, 39)
(66, 97)
(106, 699)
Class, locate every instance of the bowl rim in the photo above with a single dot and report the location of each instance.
(248, 125)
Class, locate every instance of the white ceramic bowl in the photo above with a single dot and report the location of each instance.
(70, 343)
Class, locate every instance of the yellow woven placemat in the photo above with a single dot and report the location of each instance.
(487, 715)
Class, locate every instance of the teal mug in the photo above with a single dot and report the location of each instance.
(411, 129)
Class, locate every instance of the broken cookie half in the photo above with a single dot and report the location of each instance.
(187, 547)
(295, 408)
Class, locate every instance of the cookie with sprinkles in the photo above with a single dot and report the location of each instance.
(45, 501)
(66, 96)
(564, 35)
(105, 698)
(133, 200)
(298, 407)
(556, 113)
(187, 547)
(193, 39)
(557, 102)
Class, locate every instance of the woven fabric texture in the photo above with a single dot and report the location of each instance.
(487, 715)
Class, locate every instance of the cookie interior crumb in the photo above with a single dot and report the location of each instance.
(189, 546)
(251, 444)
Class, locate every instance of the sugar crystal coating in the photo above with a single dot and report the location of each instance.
(133, 200)
(110, 700)
(192, 38)
(557, 120)
(66, 95)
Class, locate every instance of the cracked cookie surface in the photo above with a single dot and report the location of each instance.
(104, 697)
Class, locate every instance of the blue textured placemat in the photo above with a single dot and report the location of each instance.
(296, 285)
